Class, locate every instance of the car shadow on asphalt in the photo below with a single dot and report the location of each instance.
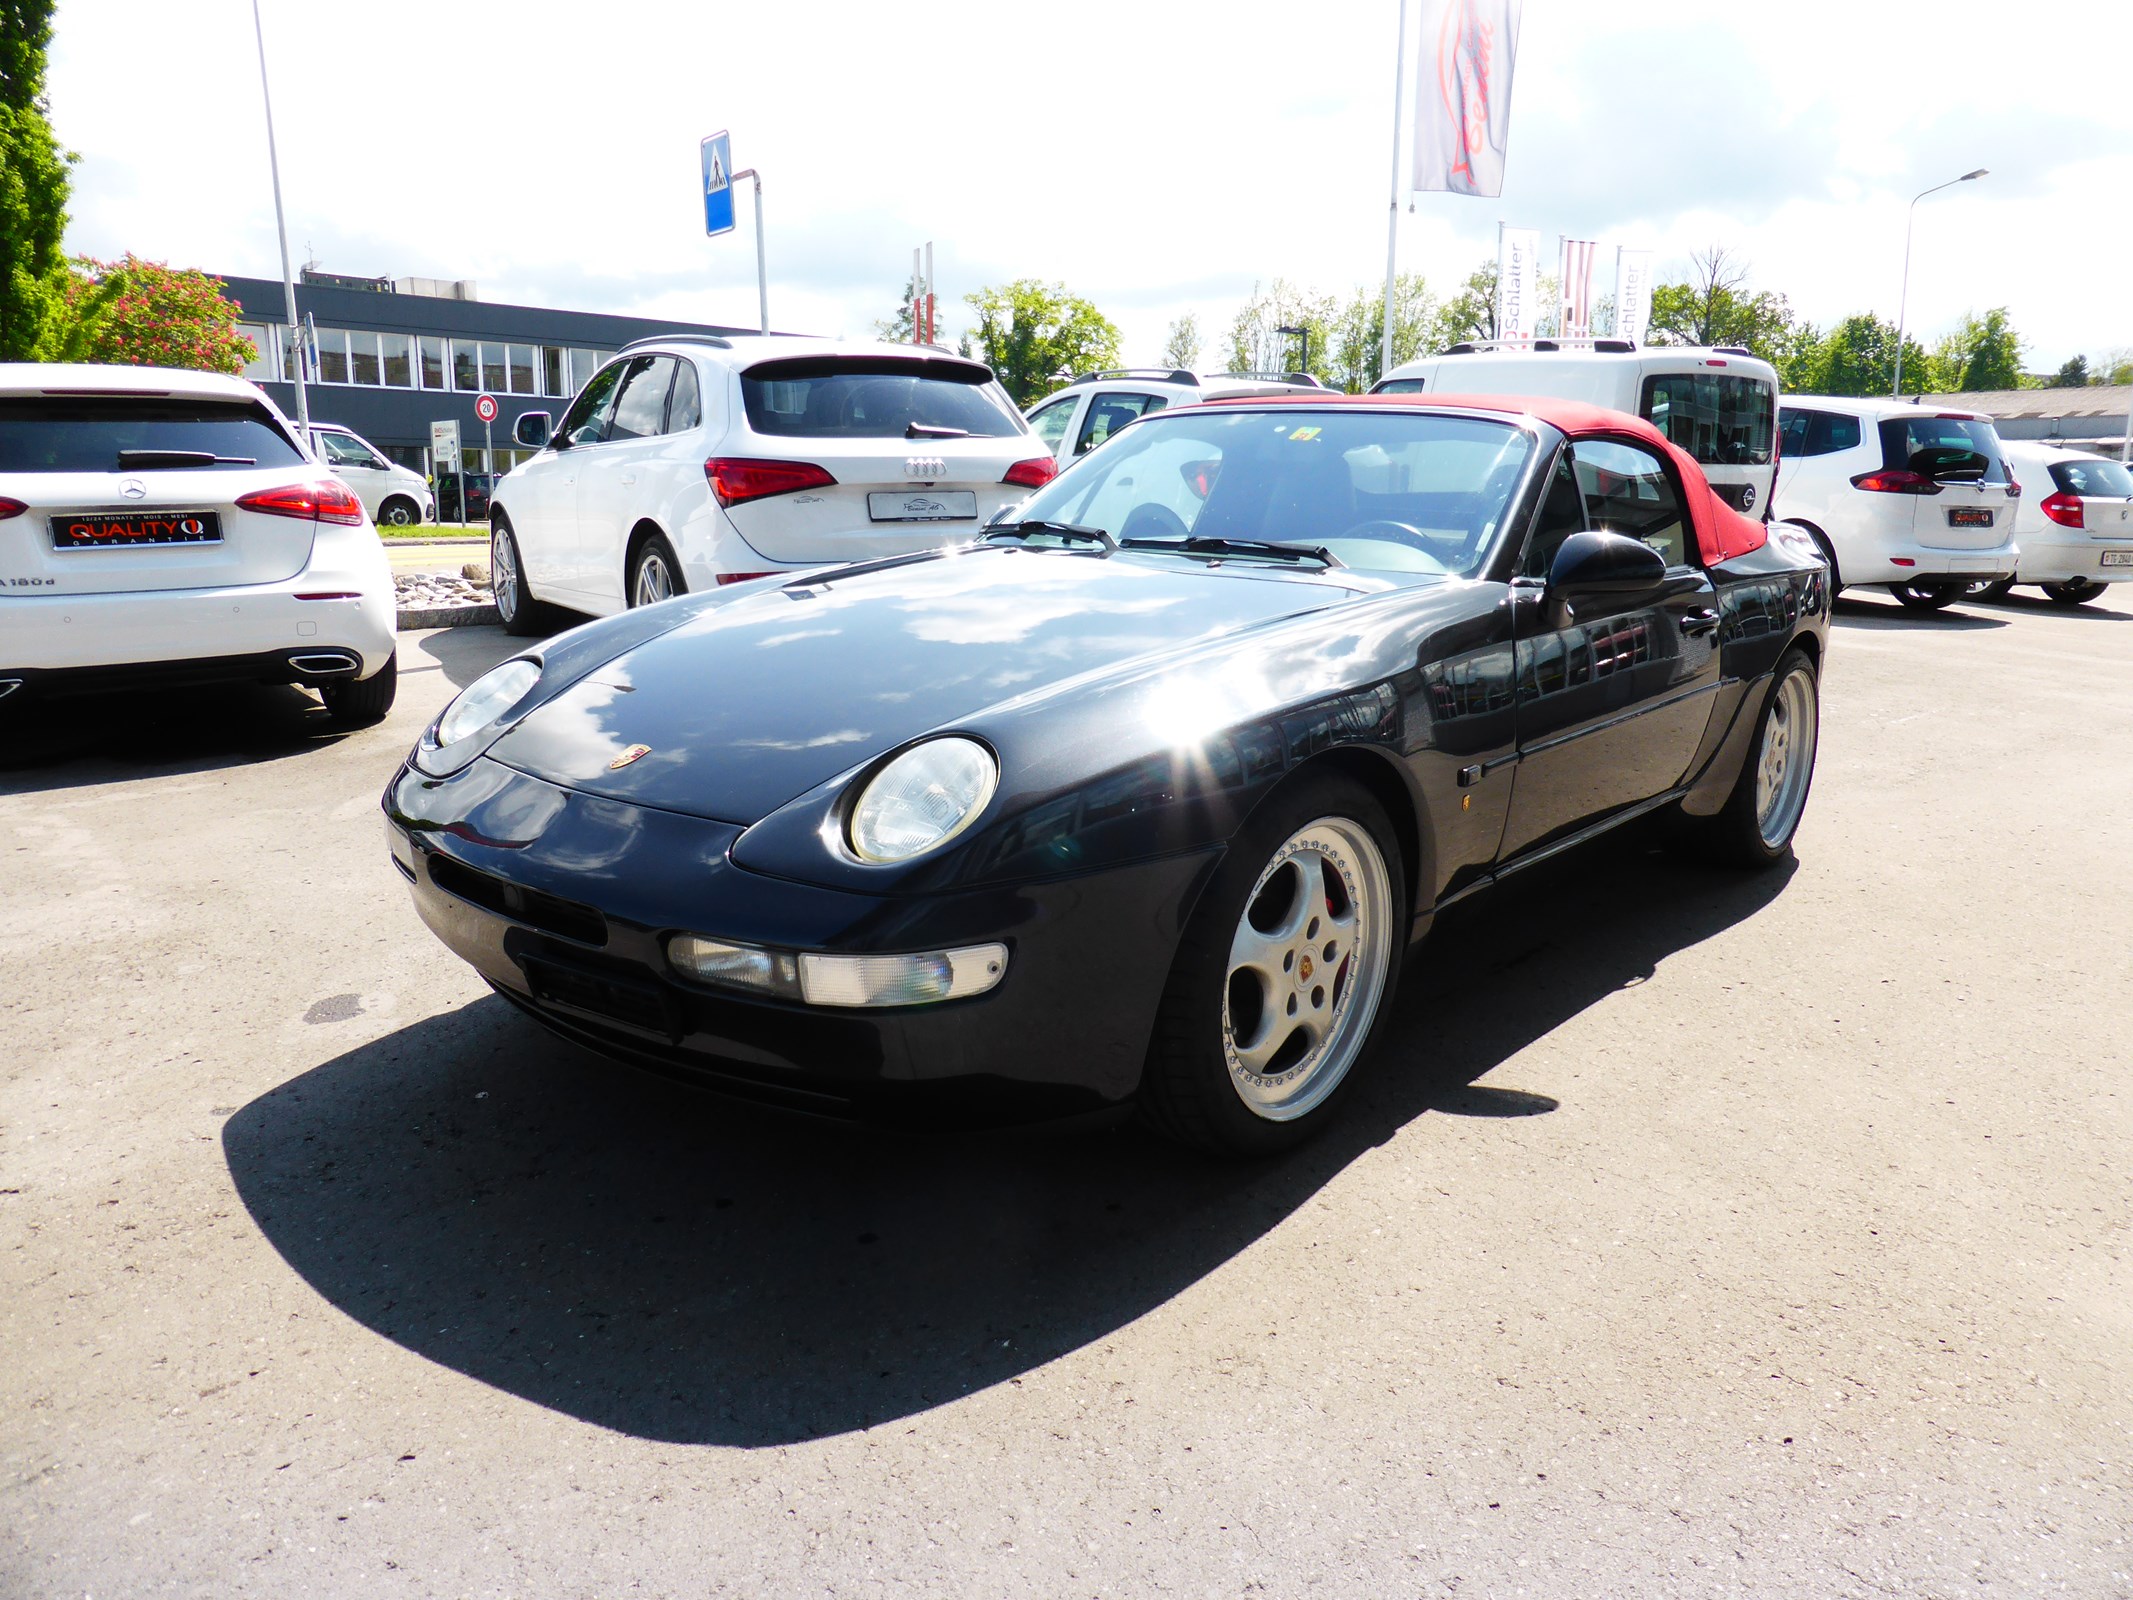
(648, 1259)
(464, 654)
(67, 743)
(1890, 615)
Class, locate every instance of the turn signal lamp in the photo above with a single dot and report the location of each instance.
(326, 500)
(737, 479)
(10, 508)
(1032, 474)
(830, 980)
(1895, 480)
(2062, 508)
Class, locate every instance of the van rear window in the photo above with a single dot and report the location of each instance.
(1945, 449)
(1719, 419)
(85, 433)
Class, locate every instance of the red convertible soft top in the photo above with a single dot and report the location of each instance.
(1721, 532)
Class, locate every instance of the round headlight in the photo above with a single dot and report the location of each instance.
(485, 699)
(923, 798)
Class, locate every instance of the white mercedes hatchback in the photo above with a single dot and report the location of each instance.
(691, 461)
(160, 528)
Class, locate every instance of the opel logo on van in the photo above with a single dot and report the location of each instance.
(132, 488)
(1747, 497)
(925, 468)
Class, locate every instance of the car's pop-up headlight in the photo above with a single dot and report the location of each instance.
(922, 799)
(451, 742)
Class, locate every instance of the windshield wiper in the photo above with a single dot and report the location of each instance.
(146, 460)
(1211, 545)
(1066, 532)
(928, 430)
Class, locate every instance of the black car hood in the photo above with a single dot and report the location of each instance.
(767, 693)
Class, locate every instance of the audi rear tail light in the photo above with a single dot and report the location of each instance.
(1895, 480)
(735, 479)
(740, 577)
(1032, 474)
(10, 508)
(2062, 508)
(323, 500)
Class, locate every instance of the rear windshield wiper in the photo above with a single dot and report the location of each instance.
(145, 460)
(1210, 545)
(929, 430)
(1065, 532)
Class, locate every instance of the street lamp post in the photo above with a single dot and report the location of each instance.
(288, 280)
(1299, 333)
(1903, 298)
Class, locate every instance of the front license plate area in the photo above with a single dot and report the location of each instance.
(129, 530)
(610, 998)
(924, 505)
(1969, 517)
(2118, 558)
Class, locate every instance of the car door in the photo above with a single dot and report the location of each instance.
(1053, 422)
(613, 480)
(1613, 700)
(542, 499)
(352, 461)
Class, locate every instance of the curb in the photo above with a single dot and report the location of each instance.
(470, 538)
(448, 617)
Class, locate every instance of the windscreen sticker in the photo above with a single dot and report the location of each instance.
(1304, 433)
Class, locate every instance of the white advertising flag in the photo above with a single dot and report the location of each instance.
(1633, 294)
(1517, 282)
(1576, 319)
(1463, 94)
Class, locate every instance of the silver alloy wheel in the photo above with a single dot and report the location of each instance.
(654, 583)
(503, 575)
(1787, 759)
(1307, 968)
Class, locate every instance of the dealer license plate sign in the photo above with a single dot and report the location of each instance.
(127, 530)
(2118, 558)
(1969, 517)
(946, 505)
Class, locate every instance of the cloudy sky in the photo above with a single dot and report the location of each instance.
(1159, 157)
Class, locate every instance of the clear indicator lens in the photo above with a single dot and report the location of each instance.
(922, 799)
(913, 980)
(734, 966)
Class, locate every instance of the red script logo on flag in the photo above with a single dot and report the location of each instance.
(1463, 95)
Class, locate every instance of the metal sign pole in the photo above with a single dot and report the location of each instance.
(1392, 226)
(762, 273)
(288, 281)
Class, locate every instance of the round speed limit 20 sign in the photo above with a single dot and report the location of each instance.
(485, 408)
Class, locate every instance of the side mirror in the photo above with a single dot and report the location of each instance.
(1604, 566)
(533, 429)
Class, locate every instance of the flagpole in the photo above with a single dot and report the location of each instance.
(1392, 222)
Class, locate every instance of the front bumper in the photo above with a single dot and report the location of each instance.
(563, 901)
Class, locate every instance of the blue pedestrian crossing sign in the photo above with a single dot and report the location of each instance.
(718, 184)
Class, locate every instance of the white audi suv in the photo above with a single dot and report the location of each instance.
(695, 460)
(161, 528)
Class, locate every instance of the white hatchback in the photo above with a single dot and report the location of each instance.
(690, 461)
(1912, 498)
(1075, 420)
(161, 528)
(393, 495)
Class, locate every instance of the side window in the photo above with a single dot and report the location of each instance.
(1110, 412)
(1050, 422)
(1792, 434)
(586, 420)
(1628, 491)
(1562, 513)
(1832, 431)
(641, 407)
(685, 410)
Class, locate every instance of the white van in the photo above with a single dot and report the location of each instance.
(1719, 405)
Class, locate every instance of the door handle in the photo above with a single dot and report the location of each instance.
(1703, 621)
(626, 482)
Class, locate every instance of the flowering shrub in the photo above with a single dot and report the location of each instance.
(146, 314)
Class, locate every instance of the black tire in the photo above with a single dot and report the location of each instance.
(1187, 1090)
(2074, 592)
(1926, 596)
(362, 701)
(654, 573)
(1992, 592)
(399, 512)
(1736, 835)
(520, 614)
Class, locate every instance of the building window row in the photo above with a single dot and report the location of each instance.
(424, 361)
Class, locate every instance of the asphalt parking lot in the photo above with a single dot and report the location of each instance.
(1696, 1235)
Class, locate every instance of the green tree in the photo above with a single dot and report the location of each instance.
(1356, 357)
(2113, 366)
(903, 327)
(1257, 344)
(1029, 332)
(33, 188)
(1181, 351)
(1982, 353)
(1714, 306)
(1858, 357)
(144, 314)
(1466, 315)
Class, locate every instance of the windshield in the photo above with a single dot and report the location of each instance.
(85, 433)
(1721, 421)
(885, 398)
(1377, 489)
(2105, 480)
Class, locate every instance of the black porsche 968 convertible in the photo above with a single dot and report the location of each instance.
(1140, 797)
